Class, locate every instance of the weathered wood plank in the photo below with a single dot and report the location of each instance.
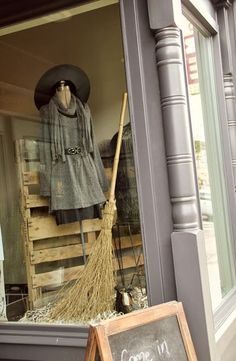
(125, 241)
(59, 253)
(128, 262)
(46, 227)
(34, 294)
(56, 242)
(57, 277)
(60, 276)
(91, 237)
(73, 251)
(33, 201)
(30, 178)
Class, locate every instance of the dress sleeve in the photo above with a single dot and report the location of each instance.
(45, 156)
(98, 161)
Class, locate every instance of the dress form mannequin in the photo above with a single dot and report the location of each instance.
(63, 93)
(71, 170)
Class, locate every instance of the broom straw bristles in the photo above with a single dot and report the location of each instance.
(93, 291)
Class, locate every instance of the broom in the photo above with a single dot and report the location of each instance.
(93, 292)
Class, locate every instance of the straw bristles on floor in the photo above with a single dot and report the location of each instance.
(93, 292)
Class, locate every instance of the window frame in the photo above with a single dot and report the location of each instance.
(227, 305)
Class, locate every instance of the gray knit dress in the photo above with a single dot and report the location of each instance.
(71, 169)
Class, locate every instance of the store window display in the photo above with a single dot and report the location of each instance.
(63, 163)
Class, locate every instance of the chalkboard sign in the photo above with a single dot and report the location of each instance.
(158, 333)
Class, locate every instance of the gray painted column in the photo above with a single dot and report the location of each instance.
(231, 117)
(179, 152)
(187, 239)
(223, 7)
(226, 20)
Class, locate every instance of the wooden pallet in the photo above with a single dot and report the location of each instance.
(53, 254)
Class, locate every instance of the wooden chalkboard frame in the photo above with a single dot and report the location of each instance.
(99, 333)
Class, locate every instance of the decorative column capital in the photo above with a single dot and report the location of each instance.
(164, 13)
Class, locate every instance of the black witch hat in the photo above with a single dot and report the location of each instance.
(71, 74)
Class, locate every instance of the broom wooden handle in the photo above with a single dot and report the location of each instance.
(118, 147)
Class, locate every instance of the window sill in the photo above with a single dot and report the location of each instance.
(52, 335)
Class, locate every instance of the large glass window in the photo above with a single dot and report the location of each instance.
(209, 162)
(61, 95)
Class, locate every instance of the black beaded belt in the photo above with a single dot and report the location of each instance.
(74, 150)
